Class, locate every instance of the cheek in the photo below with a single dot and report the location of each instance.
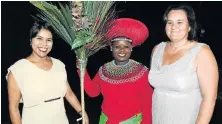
(167, 31)
(34, 44)
(167, 28)
(185, 27)
(114, 51)
(129, 50)
(49, 44)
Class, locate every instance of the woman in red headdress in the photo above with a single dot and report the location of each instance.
(123, 82)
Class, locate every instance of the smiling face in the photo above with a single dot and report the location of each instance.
(121, 51)
(177, 26)
(42, 43)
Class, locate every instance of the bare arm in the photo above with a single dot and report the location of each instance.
(74, 102)
(207, 71)
(14, 97)
(72, 99)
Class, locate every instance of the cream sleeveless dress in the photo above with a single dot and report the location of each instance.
(177, 96)
(38, 88)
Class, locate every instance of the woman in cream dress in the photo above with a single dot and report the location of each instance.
(183, 72)
(40, 82)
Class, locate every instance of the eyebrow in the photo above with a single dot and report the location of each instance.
(177, 20)
(42, 37)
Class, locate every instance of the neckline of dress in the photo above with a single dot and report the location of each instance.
(39, 67)
(180, 59)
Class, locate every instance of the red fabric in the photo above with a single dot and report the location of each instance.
(122, 101)
(129, 28)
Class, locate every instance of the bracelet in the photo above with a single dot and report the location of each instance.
(80, 112)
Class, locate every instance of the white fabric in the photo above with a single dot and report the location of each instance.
(177, 96)
(36, 86)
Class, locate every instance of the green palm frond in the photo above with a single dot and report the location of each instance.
(89, 33)
(61, 21)
(84, 35)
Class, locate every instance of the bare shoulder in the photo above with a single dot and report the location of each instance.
(205, 50)
(10, 76)
(205, 53)
(12, 85)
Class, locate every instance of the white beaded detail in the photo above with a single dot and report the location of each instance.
(121, 38)
(121, 81)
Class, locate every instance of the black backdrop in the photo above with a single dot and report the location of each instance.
(17, 21)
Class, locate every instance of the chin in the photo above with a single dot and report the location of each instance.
(42, 55)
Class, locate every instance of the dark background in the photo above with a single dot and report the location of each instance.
(17, 21)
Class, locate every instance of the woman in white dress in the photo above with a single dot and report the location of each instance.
(183, 72)
(40, 82)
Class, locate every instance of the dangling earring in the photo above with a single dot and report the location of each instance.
(111, 49)
(131, 50)
(31, 42)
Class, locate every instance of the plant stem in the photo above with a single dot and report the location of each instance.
(83, 63)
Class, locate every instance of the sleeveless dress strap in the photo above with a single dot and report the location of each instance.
(157, 54)
(195, 51)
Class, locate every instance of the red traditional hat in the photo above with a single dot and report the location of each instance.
(129, 28)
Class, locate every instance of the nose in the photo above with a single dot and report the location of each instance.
(122, 49)
(174, 26)
(44, 42)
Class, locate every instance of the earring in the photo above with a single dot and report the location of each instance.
(131, 50)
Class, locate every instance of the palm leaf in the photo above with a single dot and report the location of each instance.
(86, 37)
(58, 20)
(62, 23)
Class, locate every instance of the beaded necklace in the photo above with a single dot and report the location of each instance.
(117, 74)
